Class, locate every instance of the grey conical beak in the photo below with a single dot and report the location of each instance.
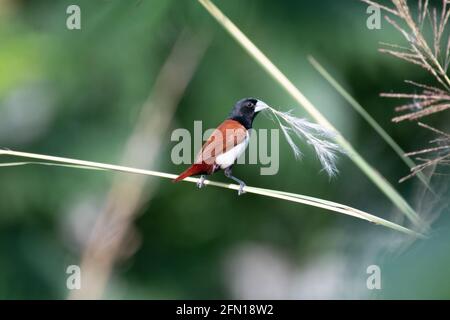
(260, 105)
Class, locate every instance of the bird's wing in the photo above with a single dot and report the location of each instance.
(226, 136)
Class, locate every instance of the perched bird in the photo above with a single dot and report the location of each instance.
(227, 142)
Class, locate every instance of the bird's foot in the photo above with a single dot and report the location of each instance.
(201, 182)
(241, 188)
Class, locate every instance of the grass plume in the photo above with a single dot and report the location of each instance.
(315, 135)
(432, 53)
(436, 155)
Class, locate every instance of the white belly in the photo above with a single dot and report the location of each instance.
(227, 159)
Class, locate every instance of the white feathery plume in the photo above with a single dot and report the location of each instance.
(314, 134)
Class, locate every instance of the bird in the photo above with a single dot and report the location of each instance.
(226, 143)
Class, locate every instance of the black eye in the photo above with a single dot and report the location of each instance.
(249, 105)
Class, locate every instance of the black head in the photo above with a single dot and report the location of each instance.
(245, 111)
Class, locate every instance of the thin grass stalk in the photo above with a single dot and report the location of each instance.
(279, 77)
(371, 121)
(306, 200)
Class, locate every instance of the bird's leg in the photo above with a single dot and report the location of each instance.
(201, 182)
(228, 174)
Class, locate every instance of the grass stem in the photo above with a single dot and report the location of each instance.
(297, 198)
(371, 121)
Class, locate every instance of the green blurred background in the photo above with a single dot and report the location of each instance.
(77, 93)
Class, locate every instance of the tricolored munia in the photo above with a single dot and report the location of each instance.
(227, 142)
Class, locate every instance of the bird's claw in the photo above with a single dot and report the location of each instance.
(241, 188)
(201, 182)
